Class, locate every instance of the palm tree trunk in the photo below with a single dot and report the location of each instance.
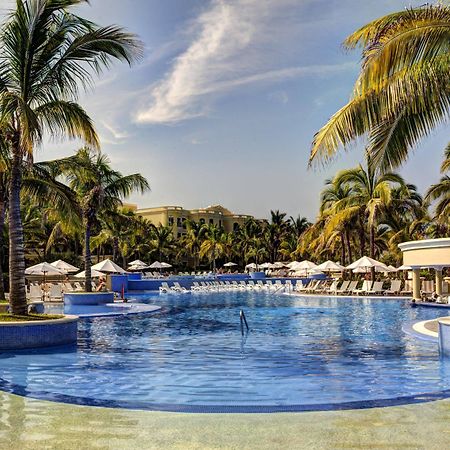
(87, 256)
(372, 249)
(2, 229)
(17, 293)
(343, 255)
(349, 247)
(115, 248)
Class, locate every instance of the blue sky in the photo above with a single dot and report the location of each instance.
(224, 105)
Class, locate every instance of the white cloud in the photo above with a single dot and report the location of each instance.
(233, 44)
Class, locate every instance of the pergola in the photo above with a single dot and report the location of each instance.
(428, 253)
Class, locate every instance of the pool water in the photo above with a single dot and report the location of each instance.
(301, 353)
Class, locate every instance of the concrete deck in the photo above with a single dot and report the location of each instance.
(34, 424)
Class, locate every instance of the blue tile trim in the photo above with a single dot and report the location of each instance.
(222, 409)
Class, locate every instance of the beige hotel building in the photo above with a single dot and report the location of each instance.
(176, 216)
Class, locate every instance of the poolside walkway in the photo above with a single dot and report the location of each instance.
(35, 424)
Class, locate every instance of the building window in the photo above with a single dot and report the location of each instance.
(211, 221)
(178, 222)
(220, 224)
(202, 221)
(235, 226)
(183, 221)
(170, 220)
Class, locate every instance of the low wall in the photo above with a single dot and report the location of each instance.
(444, 336)
(153, 284)
(88, 298)
(43, 333)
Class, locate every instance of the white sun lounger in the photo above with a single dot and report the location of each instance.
(377, 288)
(55, 292)
(367, 284)
(394, 289)
(343, 287)
(407, 288)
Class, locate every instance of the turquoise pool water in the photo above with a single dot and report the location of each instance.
(301, 353)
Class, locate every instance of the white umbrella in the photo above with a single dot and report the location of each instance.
(266, 265)
(330, 266)
(137, 262)
(377, 269)
(366, 263)
(94, 274)
(279, 265)
(230, 264)
(292, 264)
(108, 266)
(64, 266)
(44, 269)
(251, 266)
(166, 265)
(306, 265)
(404, 267)
(136, 266)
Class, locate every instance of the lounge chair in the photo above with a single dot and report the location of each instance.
(67, 287)
(343, 287)
(55, 292)
(367, 284)
(351, 287)
(35, 292)
(377, 288)
(396, 285)
(251, 284)
(312, 286)
(260, 284)
(332, 288)
(177, 287)
(408, 287)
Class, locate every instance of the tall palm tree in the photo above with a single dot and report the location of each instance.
(98, 188)
(440, 194)
(161, 240)
(371, 192)
(334, 199)
(48, 53)
(213, 245)
(192, 241)
(402, 92)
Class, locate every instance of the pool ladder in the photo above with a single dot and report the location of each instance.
(243, 320)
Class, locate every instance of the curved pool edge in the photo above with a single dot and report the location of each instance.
(426, 397)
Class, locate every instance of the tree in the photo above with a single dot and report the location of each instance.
(161, 240)
(440, 194)
(213, 245)
(98, 188)
(402, 92)
(371, 192)
(47, 55)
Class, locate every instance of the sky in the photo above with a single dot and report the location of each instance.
(224, 104)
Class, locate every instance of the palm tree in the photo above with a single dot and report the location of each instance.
(98, 188)
(192, 241)
(47, 55)
(161, 240)
(299, 225)
(440, 193)
(213, 245)
(371, 193)
(402, 92)
(333, 200)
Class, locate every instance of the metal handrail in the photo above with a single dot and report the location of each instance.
(243, 320)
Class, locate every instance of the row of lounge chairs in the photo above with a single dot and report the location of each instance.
(219, 286)
(54, 291)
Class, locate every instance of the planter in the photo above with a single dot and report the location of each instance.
(88, 298)
(39, 333)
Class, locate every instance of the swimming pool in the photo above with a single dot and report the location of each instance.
(300, 354)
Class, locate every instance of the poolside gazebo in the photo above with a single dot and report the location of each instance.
(428, 253)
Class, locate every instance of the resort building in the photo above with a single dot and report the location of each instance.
(176, 217)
